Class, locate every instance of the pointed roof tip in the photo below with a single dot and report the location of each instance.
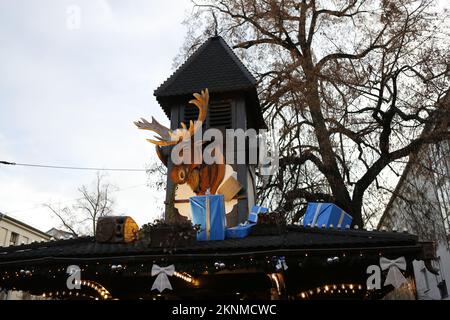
(213, 65)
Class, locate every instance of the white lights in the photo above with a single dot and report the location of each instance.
(116, 267)
(274, 278)
(101, 291)
(184, 276)
(331, 289)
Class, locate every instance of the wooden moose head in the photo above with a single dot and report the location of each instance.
(199, 176)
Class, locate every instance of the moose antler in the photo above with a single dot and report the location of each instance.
(201, 101)
(169, 138)
(154, 126)
(164, 138)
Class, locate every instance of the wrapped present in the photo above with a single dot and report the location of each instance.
(256, 210)
(240, 231)
(209, 212)
(319, 214)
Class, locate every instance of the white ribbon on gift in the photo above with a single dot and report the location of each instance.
(341, 218)
(394, 276)
(162, 281)
(316, 215)
(258, 211)
(208, 216)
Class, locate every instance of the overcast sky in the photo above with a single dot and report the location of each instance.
(69, 96)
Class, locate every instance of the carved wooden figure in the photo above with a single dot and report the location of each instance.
(233, 104)
(199, 176)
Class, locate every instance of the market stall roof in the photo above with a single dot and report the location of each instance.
(252, 266)
(295, 239)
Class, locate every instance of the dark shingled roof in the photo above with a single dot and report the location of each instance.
(215, 66)
(297, 238)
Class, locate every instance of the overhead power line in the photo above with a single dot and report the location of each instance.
(70, 167)
(38, 205)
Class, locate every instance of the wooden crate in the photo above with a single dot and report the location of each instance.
(230, 188)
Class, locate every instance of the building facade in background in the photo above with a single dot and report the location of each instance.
(421, 204)
(59, 234)
(13, 233)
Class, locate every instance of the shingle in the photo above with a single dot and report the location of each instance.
(215, 66)
(295, 238)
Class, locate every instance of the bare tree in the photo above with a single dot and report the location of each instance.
(349, 84)
(95, 202)
(156, 175)
(67, 218)
(157, 181)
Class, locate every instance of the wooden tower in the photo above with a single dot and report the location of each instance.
(234, 104)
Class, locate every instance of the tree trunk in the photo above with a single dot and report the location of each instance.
(332, 173)
(356, 212)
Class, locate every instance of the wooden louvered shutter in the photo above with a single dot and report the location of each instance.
(219, 115)
(190, 113)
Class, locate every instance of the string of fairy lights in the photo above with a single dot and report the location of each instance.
(102, 292)
(98, 270)
(187, 277)
(329, 289)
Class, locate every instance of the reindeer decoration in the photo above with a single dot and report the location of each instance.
(199, 176)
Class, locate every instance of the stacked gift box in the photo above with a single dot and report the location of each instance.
(326, 215)
(208, 212)
(243, 230)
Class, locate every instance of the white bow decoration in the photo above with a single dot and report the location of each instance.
(162, 281)
(394, 276)
(281, 264)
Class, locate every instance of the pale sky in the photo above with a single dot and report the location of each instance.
(69, 97)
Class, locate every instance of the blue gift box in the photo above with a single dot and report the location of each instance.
(240, 231)
(209, 212)
(253, 215)
(319, 214)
